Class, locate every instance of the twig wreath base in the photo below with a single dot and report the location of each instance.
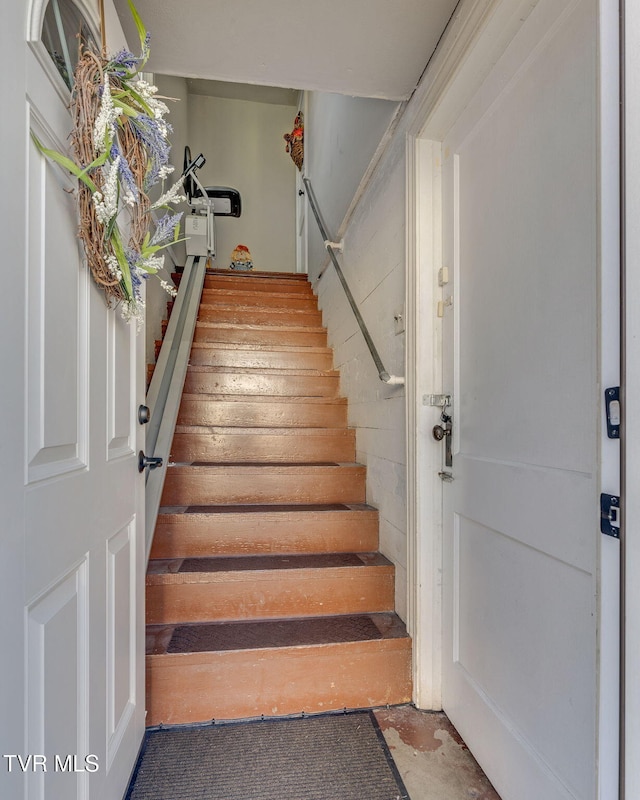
(85, 106)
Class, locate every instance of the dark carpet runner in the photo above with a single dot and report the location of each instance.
(215, 636)
(329, 757)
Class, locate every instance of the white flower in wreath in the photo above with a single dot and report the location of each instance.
(105, 120)
(169, 289)
(171, 196)
(106, 202)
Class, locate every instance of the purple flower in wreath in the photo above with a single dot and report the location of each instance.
(165, 227)
(152, 133)
(126, 176)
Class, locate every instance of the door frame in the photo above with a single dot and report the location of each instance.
(472, 44)
(630, 591)
(302, 219)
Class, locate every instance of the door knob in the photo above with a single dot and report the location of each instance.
(439, 432)
(144, 414)
(152, 462)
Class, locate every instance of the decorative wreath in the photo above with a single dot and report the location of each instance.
(295, 141)
(121, 148)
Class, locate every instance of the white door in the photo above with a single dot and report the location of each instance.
(78, 555)
(521, 515)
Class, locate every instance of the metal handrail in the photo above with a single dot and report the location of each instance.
(331, 246)
(167, 383)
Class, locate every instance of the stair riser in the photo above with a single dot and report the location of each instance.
(271, 532)
(250, 447)
(185, 486)
(257, 316)
(254, 595)
(211, 356)
(240, 684)
(258, 285)
(263, 384)
(265, 300)
(268, 414)
(251, 283)
(263, 336)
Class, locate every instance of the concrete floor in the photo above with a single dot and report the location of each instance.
(434, 762)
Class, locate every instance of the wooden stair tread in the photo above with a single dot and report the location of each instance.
(208, 380)
(261, 468)
(267, 371)
(256, 326)
(210, 303)
(212, 637)
(184, 568)
(231, 430)
(228, 444)
(262, 398)
(254, 314)
(251, 294)
(292, 288)
(294, 410)
(266, 364)
(263, 483)
(230, 273)
(298, 335)
(261, 348)
(256, 587)
(232, 530)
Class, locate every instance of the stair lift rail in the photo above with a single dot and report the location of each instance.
(167, 383)
(331, 246)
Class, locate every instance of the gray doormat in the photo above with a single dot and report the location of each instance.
(328, 757)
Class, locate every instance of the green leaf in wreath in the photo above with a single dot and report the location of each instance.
(66, 163)
(118, 250)
(136, 97)
(142, 32)
(126, 109)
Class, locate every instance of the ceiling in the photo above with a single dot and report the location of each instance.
(367, 48)
(243, 91)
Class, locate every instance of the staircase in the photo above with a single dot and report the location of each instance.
(265, 591)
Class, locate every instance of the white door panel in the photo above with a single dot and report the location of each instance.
(520, 359)
(81, 525)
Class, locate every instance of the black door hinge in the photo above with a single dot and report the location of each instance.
(610, 515)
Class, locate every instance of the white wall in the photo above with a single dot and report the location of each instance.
(242, 142)
(342, 135)
(176, 88)
(374, 265)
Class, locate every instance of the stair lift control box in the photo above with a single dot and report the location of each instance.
(198, 234)
(206, 203)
